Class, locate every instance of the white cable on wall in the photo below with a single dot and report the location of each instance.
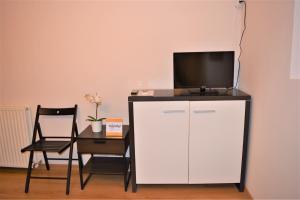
(295, 58)
(243, 2)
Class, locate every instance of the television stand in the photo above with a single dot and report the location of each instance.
(190, 125)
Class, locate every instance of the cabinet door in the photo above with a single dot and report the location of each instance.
(161, 141)
(216, 141)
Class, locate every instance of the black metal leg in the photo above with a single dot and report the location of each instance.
(86, 180)
(127, 181)
(133, 177)
(134, 187)
(127, 172)
(29, 169)
(132, 147)
(69, 169)
(124, 171)
(240, 186)
(46, 160)
(80, 165)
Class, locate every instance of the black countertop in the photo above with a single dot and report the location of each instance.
(187, 95)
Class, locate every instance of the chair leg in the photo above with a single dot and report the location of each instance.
(29, 169)
(69, 169)
(46, 160)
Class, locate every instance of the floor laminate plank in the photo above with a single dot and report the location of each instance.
(103, 187)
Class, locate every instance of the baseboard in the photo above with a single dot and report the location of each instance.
(246, 190)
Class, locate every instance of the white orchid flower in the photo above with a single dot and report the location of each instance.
(96, 99)
(89, 98)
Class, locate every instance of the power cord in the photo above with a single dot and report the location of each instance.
(241, 40)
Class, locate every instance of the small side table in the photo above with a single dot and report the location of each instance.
(98, 143)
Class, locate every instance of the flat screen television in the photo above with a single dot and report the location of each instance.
(203, 69)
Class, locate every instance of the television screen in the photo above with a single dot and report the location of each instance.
(203, 69)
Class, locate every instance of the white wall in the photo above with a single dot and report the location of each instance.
(1, 59)
(55, 52)
(273, 168)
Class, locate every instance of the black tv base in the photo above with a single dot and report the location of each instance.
(202, 91)
(196, 92)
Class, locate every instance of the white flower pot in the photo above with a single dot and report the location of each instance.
(96, 126)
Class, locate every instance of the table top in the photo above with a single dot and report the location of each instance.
(87, 133)
(186, 95)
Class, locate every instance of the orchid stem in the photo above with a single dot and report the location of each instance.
(96, 111)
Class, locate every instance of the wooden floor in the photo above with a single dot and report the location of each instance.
(104, 187)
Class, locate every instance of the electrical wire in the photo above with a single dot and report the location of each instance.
(240, 44)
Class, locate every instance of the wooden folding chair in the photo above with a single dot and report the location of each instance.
(56, 144)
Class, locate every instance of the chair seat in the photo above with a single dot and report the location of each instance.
(49, 146)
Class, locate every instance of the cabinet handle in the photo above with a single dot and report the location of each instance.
(173, 111)
(99, 142)
(204, 111)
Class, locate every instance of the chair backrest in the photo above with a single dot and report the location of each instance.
(57, 111)
(71, 111)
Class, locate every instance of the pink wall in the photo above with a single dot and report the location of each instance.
(273, 168)
(55, 52)
(1, 59)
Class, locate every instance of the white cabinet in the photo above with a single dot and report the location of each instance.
(161, 141)
(216, 141)
(188, 141)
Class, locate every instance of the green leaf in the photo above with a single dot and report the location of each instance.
(100, 119)
(91, 118)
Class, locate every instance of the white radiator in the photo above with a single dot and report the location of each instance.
(15, 133)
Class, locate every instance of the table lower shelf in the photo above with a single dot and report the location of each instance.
(106, 165)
